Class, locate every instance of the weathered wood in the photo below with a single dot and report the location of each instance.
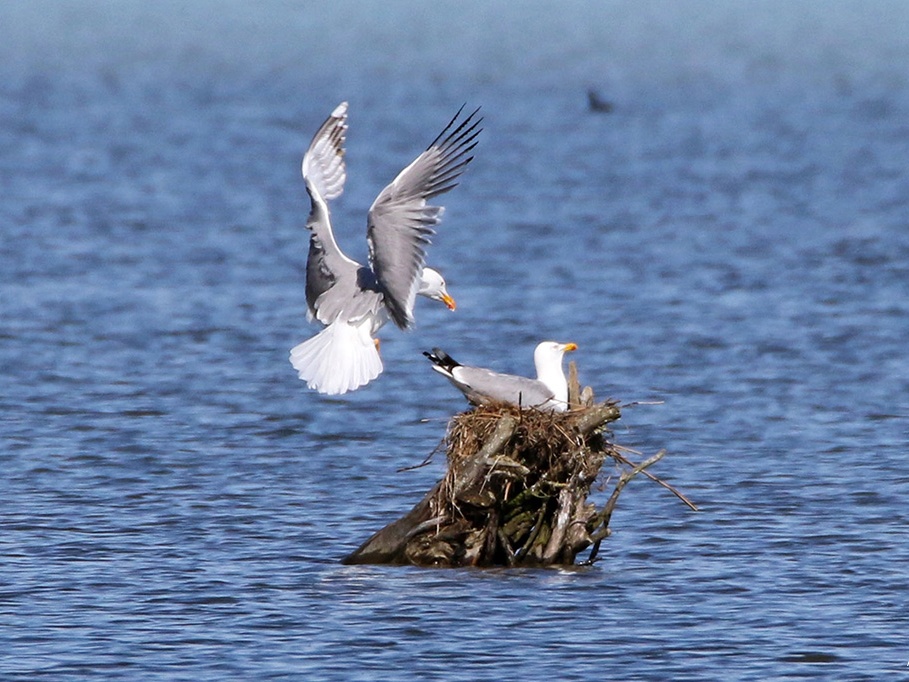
(574, 386)
(586, 398)
(600, 526)
(515, 493)
(387, 545)
(554, 545)
(597, 417)
(469, 481)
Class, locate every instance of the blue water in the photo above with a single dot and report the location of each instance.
(732, 243)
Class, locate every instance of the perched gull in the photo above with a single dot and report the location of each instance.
(353, 301)
(549, 391)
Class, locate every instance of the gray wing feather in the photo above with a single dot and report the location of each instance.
(483, 386)
(400, 222)
(327, 268)
(323, 163)
(324, 173)
(351, 298)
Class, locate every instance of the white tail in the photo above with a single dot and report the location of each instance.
(338, 359)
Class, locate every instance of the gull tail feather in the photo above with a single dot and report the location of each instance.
(338, 359)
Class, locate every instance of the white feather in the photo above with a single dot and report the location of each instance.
(340, 358)
(547, 357)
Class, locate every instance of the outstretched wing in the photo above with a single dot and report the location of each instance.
(401, 222)
(323, 162)
(324, 173)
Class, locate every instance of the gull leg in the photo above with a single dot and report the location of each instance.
(376, 342)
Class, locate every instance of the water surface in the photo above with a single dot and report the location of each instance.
(731, 242)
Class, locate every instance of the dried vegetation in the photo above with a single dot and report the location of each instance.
(516, 491)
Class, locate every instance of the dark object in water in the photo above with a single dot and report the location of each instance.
(597, 103)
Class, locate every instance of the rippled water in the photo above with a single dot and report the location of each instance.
(731, 242)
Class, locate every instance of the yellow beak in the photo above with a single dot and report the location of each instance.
(449, 301)
(570, 347)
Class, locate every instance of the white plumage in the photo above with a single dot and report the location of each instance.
(549, 391)
(342, 357)
(353, 301)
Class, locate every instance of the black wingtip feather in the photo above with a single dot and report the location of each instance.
(442, 359)
(454, 135)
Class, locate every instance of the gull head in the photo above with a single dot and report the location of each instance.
(548, 360)
(432, 285)
(549, 353)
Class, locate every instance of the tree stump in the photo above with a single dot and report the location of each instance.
(516, 489)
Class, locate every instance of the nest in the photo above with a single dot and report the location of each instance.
(540, 440)
(516, 488)
(515, 492)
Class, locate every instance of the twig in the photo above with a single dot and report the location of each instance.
(602, 519)
(535, 531)
(426, 525)
(574, 387)
(503, 540)
(597, 416)
(554, 546)
(655, 479)
(467, 478)
(491, 532)
(426, 461)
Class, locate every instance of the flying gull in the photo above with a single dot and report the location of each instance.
(353, 301)
(549, 391)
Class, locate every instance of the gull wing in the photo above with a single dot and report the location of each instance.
(324, 173)
(323, 163)
(400, 221)
(483, 386)
(480, 385)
